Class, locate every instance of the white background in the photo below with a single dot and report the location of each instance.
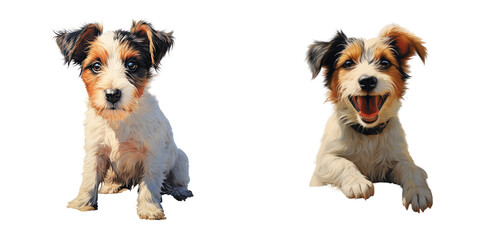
(240, 98)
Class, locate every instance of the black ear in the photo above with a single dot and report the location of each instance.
(159, 42)
(325, 54)
(74, 44)
(315, 55)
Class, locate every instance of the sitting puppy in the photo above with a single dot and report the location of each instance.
(364, 141)
(128, 140)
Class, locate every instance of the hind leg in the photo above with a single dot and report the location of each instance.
(112, 184)
(177, 181)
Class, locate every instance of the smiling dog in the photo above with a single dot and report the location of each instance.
(128, 140)
(364, 141)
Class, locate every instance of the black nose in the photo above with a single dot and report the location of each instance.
(367, 83)
(113, 95)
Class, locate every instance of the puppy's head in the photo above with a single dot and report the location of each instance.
(115, 66)
(366, 78)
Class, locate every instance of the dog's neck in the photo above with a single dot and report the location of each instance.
(369, 131)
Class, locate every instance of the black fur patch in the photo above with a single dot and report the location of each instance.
(369, 131)
(140, 75)
(74, 44)
(161, 41)
(326, 54)
(143, 61)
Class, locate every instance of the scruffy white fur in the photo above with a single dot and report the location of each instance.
(146, 127)
(128, 141)
(351, 161)
(372, 157)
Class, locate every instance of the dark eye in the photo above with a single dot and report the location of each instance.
(132, 66)
(384, 63)
(96, 67)
(348, 64)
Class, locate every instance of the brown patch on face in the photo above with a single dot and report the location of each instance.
(91, 81)
(399, 83)
(353, 52)
(383, 51)
(126, 51)
(334, 95)
(141, 87)
(96, 53)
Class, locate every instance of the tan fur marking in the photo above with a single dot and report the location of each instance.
(407, 43)
(352, 52)
(334, 88)
(142, 28)
(130, 159)
(126, 51)
(382, 50)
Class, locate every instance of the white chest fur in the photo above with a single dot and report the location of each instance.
(125, 145)
(374, 155)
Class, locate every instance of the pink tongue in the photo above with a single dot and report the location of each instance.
(367, 106)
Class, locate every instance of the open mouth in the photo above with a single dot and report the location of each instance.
(368, 106)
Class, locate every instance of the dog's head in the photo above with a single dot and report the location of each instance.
(115, 66)
(366, 78)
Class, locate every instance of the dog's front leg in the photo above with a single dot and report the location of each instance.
(149, 192)
(413, 180)
(342, 173)
(93, 172)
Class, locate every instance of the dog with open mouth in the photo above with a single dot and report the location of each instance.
(364, 141)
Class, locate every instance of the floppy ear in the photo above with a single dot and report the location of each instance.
(315, 54)
(405, 43)
(325, 54)
(159, 42)
(74, 44)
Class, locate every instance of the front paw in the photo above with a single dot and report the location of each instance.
(419, 197)
(357, 187)
(150, 211)
(82, 205)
